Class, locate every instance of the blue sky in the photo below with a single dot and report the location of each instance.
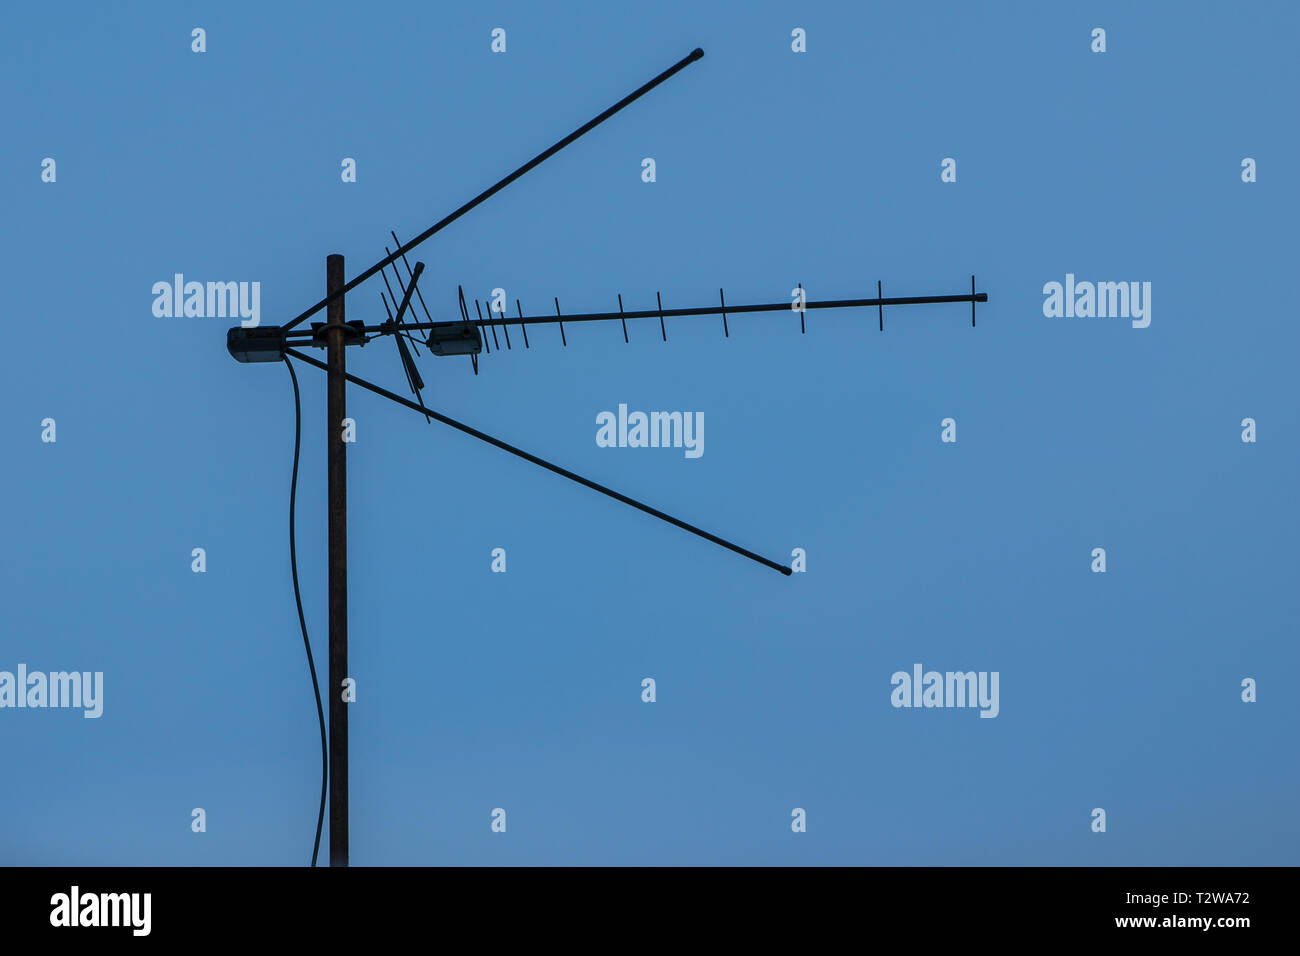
(523, 690)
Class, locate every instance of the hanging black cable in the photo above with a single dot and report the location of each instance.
(302, 621)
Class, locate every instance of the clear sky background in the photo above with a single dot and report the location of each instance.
(523, 690)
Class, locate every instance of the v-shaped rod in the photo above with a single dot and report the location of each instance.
(482, 436)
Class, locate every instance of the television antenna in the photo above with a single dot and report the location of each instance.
(464, 336)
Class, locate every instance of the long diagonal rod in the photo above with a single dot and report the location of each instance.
(492, 190)
(459, 426)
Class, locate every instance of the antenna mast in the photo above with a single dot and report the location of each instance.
(465, 336)
(335, 332)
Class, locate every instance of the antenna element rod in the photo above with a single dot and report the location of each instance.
(459, 426)
(493, 190)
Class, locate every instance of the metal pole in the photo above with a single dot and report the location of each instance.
(336, 383)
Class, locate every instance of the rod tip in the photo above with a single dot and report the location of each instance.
(696, 53)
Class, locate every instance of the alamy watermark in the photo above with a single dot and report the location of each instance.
(213, 300)
(84, 689)
(76, 908)
(656, 430)
(1085, 300)
(949, 689)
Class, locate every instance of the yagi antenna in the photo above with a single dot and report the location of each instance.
(465, 335)
(492, 319)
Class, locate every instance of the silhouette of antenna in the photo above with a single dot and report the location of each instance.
(466, 335)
